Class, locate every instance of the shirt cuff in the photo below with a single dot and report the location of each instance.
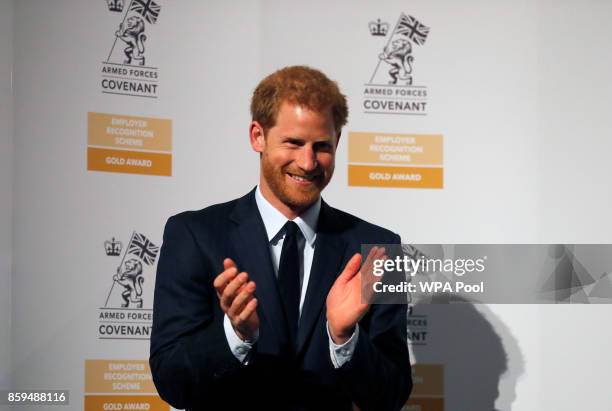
(239, 348)
(341, 354)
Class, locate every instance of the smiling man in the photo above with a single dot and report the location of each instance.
(257, 301)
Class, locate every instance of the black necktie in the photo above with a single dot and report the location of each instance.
(289, 278)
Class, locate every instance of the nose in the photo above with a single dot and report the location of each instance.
(307, 160)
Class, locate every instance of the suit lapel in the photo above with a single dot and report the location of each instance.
(250, 241)
(328, 256)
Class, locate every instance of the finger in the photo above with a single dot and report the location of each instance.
(242, 299)
(375, 253)
(223, 279)
(369, 277)
(228, 263)
(370, 257)
(351, 268)
(380, 256)
(230, 290)
(234, 287)
(249, 309)
(367, 270)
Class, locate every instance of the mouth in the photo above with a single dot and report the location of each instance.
(302, 179)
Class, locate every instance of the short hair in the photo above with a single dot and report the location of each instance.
(301, 85)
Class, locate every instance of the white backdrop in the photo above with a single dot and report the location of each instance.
(6, 188)
(519, 91)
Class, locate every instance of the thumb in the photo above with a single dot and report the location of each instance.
(351, 268)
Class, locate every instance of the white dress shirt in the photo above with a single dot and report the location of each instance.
(274, 222)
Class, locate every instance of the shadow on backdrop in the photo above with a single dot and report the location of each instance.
(482, 360)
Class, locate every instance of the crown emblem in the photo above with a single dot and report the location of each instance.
(113, 247)
(115, 5)
(378, 28)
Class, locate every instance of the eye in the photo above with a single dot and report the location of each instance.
(294, 142)
(323, 147)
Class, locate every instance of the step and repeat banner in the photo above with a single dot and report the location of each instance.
(130, 111)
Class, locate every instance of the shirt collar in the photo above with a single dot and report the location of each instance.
(274, 220)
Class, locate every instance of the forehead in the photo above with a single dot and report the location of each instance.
(294, 116)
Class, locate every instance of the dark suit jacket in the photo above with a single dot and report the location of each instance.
(191, 361)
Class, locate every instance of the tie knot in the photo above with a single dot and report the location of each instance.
(291, 229)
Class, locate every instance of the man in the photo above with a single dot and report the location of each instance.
(257, 301)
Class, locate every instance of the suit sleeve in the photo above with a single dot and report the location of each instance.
(378, 376)
(189, 350)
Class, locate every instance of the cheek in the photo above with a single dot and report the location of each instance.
(326, 161)
(279, 158)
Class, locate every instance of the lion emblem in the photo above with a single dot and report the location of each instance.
(400, 58)
(133, 35)
(131, 280)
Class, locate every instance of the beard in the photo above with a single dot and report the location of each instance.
(292, 195)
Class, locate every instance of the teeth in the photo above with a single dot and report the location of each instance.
(300, 178)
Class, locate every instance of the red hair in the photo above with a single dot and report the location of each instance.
(299, 85)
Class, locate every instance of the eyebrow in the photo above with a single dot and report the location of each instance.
(324, 140)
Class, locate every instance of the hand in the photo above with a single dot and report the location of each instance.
(237, 299)
(345, 305)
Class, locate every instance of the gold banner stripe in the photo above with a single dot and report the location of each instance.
(398, 177)
(125, 402)
(129, 132)
(118, 376)
(401, 149)
(428, 380)
(424, 404)
(132, 150)
(131, 162)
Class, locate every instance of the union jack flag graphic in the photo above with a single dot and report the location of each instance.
(143, 248)
(410, 27)
(147, 9)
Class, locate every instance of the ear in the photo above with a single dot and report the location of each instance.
(256, 135)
